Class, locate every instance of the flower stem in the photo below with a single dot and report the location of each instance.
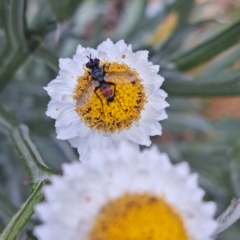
(22, 216)
(27, 151)
(229, 216)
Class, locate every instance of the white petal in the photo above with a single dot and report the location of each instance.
(74, 200)
(55, 108)
(67, 98)
(121, 46)
(67, 117)
(67, 132)
(83, 130)
(56, 89)
(69, 78)
(70, 66)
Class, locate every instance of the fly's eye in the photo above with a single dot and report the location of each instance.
(96, 60)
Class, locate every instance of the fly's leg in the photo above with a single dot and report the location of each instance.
(95, 91)
(104, 66)
(118, 102)
(114, 85)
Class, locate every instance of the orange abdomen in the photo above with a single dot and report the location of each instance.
(107, 93)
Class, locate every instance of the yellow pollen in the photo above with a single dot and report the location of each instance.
(138, 217)
(126, 107)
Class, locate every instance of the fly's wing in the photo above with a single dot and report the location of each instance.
(87, 94)
(120, 77)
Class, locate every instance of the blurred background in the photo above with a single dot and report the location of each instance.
(197, 45)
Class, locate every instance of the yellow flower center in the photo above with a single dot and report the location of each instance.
(128, 101)
(138, 217)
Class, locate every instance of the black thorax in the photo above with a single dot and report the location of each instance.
(98, 74)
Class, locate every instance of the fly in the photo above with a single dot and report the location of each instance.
(102, 80)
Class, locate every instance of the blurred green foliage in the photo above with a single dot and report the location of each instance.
(199, 57)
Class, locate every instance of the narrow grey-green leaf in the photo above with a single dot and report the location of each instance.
(229, 216)
(16, 58)
(184, 9)
(4, 16)
(63, 9)
(47, 57)
(145, 28)
(12, 63)
(17, 24)
(7, 209)
(23, 215)
(29, 155)
(233, 171)
(131, 16)
(7, 122)
(184, 104)
(222, 65)
(180, 121)
(194, 88)
(27, 151)
(174, 43)
(222, 77)
(228, 128)
(209, 48)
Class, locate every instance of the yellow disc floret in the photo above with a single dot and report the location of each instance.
(115, 116)
(138, 217)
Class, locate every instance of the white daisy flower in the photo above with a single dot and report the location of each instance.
(127, 104)
(125, 194)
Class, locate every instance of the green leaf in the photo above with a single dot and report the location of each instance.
(222, 77)
(27, 151)
(7, 122)
(187, 88)
(222, 65)
(12, 14)
(23, 215)
(7, 209)
(64, 9)
(184, 104)
(233, 169)
(228, 128)
(4, 16)
(208, 49)
(16, 58)
(97, 31)
(180, 121)
(47, 57)
(17, 24)
(131, 16)
(174, 43)
(42, 30)
(29, 154)
(39, 173)
(184, 9)
(12, 63)
(146, 26)
(228, 217)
